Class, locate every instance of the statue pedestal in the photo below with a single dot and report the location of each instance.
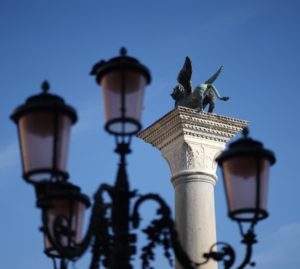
(190, 142)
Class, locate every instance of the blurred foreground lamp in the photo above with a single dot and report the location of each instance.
(245, 166)
(123, 80)
(44, 124)
(63, 207)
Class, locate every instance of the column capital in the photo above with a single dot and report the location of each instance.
(186, 123)
(190, 141)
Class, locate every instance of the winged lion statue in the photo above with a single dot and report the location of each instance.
(203, 95)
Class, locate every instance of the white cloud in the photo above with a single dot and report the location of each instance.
(280, 249)
(8, 156)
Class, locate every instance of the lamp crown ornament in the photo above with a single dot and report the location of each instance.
(245, 132)
(123, 51)
(45, 86)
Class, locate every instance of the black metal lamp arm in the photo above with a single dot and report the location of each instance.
(99, 225)
(248, 239)
(97, 229)
(226, 254)
(160, 232)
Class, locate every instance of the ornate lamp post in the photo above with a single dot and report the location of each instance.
(123, 80)
(44, 125)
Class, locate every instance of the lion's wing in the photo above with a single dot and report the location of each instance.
(185, 76)
(214, 76)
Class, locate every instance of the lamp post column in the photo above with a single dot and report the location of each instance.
(190, 142)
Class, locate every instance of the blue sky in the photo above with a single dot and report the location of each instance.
(258, 43)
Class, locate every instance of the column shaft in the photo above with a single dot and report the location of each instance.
(195, 217)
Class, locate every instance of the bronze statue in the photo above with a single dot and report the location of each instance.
(203, 95)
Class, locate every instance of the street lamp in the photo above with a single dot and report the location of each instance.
(44, 125)
(123, 80)
(245, 168)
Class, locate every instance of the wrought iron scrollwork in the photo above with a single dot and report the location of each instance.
(97, 231)
(102, 239)
(63, 231)
(162, 232)
(226, 253)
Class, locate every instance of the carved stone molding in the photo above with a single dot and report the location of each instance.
(185, 122)
(192, 157)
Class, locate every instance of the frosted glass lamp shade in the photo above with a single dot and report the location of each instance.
(245, 167)
(246, 181)
(68, 214)
(63, 208)
(44, 139)
(123, 80)
(123, 95)
(44, 126)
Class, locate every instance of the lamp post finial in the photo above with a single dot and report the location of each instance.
(45, 86)
(123, 51)
(245, 132)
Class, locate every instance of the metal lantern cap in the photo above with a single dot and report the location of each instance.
(47, 191)
(118, 63)
(44, 102)
(246, 146)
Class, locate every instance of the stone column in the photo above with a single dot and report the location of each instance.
(190, 142)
